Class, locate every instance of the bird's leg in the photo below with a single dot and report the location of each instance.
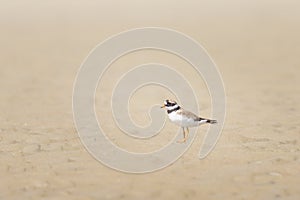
(184, 136)
(188, 132)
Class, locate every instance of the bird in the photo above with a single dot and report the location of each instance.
(184, 118)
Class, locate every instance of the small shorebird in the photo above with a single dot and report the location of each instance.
(184, 118)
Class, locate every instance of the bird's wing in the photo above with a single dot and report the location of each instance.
(188, 114)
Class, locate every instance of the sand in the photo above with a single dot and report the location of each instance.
(256, 46)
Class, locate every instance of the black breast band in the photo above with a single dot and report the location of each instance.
(174, 109)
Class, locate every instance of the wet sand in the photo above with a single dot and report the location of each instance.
(256, 46)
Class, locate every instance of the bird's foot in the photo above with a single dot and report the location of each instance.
(182, 141)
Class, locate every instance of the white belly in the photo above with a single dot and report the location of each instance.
(182, 121)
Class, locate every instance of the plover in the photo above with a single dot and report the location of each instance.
(184, 118)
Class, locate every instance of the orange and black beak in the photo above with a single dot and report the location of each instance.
(163, 106)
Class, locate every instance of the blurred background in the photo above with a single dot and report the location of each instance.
(256, 46)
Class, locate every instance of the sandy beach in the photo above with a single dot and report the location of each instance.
(255, 45)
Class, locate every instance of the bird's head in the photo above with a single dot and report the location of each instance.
(170, 104)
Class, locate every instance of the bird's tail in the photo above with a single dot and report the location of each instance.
(211, 121)
(204, 120)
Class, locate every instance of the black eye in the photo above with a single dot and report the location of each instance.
(168, 103)
(171, 104)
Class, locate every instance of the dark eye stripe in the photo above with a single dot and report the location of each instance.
(171, 104)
